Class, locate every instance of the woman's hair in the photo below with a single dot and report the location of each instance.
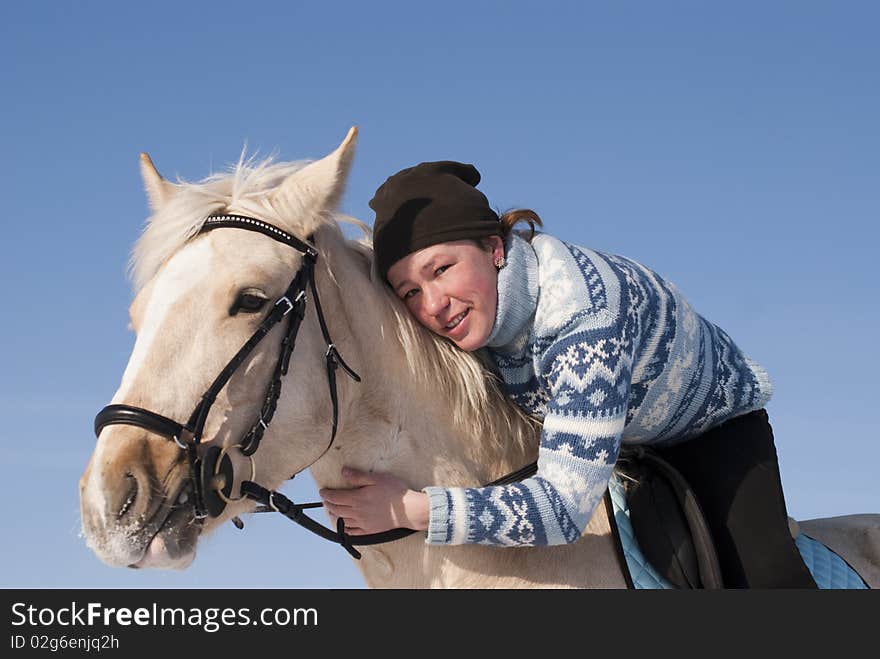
(511, 218)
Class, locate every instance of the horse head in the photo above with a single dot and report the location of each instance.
(200, 296)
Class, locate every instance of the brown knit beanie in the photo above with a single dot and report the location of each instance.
(431, 203)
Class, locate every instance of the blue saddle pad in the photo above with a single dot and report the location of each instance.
(829, 570)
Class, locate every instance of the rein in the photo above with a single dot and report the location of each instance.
(212, 474)
(277, 502)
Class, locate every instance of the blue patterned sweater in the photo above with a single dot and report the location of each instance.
(605, 351)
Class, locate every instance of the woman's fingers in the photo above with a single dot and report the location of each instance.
(337, 497)
(346, 512)
(346, 497)
(351, 525)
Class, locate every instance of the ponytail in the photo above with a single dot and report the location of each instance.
(513, 217)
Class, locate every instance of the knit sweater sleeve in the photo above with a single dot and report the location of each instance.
(587, 373)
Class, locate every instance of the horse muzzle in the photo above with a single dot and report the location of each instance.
(136, 499)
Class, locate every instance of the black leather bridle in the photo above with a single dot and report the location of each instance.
(212, 473)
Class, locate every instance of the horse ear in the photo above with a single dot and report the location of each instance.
(159, 191)
(320, 184)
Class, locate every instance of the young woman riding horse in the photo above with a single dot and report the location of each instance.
(604, 350)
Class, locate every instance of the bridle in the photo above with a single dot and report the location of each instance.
(212, 474)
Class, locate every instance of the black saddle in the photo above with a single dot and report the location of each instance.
(710, 512)
(667, 520)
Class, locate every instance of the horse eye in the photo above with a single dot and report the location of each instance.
(248, 301)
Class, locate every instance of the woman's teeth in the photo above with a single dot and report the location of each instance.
(457, 320)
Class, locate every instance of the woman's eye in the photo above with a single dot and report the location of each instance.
(248, 303)
(410, 293)
(441, 269)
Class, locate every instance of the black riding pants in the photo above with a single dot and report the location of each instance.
(734, 472)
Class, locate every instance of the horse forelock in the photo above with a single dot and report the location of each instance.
(245, 189)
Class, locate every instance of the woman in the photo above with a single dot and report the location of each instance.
(602, 348)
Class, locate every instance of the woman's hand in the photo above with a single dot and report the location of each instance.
(378, 502)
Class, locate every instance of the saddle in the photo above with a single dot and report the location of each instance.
(710, 513)
(667, 521)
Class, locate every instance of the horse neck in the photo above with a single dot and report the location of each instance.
(395, 420)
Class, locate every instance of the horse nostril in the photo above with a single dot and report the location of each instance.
(131, 495)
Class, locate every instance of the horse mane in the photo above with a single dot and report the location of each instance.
(465, 380)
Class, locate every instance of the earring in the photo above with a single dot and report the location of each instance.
(500, 262)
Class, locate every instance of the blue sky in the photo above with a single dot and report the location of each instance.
(735, 149)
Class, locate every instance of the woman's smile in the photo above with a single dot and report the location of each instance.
(458, 325)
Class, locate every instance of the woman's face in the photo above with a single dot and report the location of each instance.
(452, 289)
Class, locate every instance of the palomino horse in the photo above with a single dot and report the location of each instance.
(424, 410)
